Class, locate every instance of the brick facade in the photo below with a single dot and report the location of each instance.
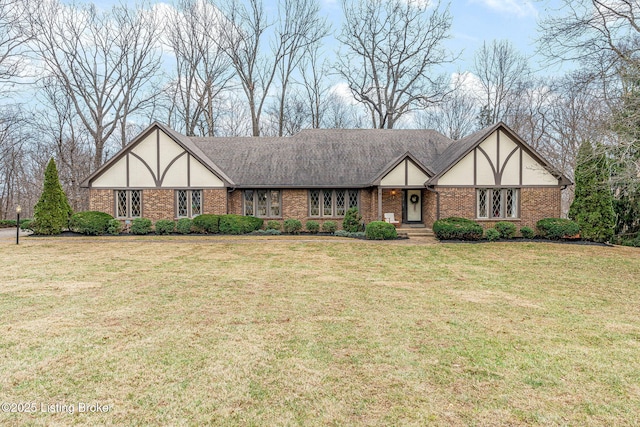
(535, 203)
(102, 200)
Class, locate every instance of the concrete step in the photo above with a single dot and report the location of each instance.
(415, 232)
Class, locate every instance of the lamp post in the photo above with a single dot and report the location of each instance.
(18, 210)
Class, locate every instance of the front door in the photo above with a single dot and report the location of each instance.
(413, 206)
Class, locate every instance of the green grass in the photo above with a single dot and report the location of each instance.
(259, 331)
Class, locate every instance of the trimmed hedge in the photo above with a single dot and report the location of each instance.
(273, 225)
(492, 234)
(92, 223)
(506, 229)
(329, 227)
(312, 226)
(380, 230)
(238, 224)
(141, 226)
(184, 226)
(206, 223)
(115, 227)
(165, 226)
(292, 226)
(455, 228)
(557, 228)
(527, 232)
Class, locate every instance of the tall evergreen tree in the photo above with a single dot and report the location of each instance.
(592, 207)
(52, 212)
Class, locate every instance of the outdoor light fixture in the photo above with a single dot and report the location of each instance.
(18, 211)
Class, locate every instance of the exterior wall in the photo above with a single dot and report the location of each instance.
(158, 204)
(101, 200)
(535, 203)
(392, 203)
(428, 208)
(214, 201)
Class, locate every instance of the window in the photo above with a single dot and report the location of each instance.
(128, 203)
(497, 202)
(188, 203)
(262, 203)
(331, 203)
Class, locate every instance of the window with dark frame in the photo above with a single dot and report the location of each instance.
(497, 202)
(128, 203)
(262, 203)
(331, 203)
(188, 203)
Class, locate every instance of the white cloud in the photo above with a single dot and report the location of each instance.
(520, 8)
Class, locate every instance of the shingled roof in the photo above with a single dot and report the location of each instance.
(320, 157)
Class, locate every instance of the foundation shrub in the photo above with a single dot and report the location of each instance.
(115, 227)
(239, 224)
(329, 227)
(141, 226)
(380, 230)
(556, 228)
(506, 229)
(492, 234)
(455, 228)
(527, 232)
(206, 223)
(312, 226)
(273, 225)
(91, 223)
(352, 220)
(165, 226)
(292, 226)
(184, 226)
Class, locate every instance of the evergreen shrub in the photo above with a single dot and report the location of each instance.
(206, 223)
(506, 229)
(238, 224)
(114, 227)
(352, 220)
(184, 226)
(455, 228)
(141, 226)
(492, 234)
(556, 228)
(312, 226)
(273, 225)
(165, 226)
(380, 230)
(527, 232)
(292, 226)
(52, 212)
(92, 223)
(329, 227)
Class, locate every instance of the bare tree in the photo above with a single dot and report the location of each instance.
(203, 71)
(298, 31)
(65, 138)
(13, 37)
(503, 74)
(391, 49)
(314, 80)
(456, 116)
(102, 61)
(242, 30)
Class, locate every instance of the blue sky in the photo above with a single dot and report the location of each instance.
(474, 21)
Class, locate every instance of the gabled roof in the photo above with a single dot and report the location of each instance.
(339, 158)
(460, 148)
(321, 157)
(180, 139)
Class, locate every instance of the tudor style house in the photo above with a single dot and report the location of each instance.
(416, 175)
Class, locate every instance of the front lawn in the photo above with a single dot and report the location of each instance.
(256, 331)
